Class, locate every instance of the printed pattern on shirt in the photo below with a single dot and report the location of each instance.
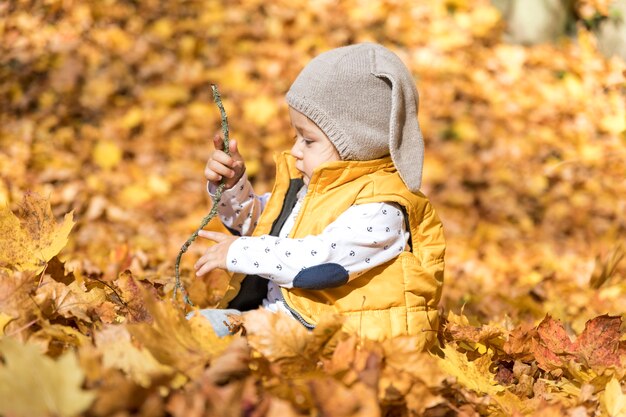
(361, 238)
(240, 208)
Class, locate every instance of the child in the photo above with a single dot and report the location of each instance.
(346, 229)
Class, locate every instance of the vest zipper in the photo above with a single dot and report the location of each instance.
(295, 314)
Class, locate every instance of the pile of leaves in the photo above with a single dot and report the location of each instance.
(106, 112)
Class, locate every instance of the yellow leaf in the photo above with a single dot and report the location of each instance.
(167, 95)
(484, 19)
(473, 375)
(613, 399)
(162, 28)
(4, 320)
(70, 301)
(186, 345)
(614, 120)
(159, 185)
(613, 123)
(119, 352)
(4, 192)
(260, 110)
(60, 333)
(135, 194)
(106, 154)
(32, 237)
(32, 384)
(132, 118)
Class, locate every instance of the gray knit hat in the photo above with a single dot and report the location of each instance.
(364, 99)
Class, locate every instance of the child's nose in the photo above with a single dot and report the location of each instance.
(296, 150)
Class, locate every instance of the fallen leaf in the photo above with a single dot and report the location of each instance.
(233, 363)
(53, 389)
(31, 237)
(474, 375)
(599, 344)
(275, 336)
(603, 270)
(552, 347)
(69, 300)
(186, 345)
(119, 352)
(518, 345)
(4, 320)
(286, 342)
(331, 398)
(613, 399)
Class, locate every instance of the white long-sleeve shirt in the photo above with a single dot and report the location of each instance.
(364, 236)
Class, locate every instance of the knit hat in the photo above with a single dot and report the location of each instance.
(364, 99)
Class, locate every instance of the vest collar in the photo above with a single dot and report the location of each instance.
(333, 174)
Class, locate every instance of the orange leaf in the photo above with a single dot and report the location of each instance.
(599, 344)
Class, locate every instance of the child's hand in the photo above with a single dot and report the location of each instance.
(221, 165)
(215, 256)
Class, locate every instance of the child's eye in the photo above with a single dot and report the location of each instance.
(307, 142)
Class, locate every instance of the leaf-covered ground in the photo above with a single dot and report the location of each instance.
(106, 116)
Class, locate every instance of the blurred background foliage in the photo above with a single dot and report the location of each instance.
(106, 109)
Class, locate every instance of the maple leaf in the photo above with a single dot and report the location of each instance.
(133, 297)
(67, 335)
(233, 363)
(483, 334)
(351, 361)
(409, 373)
(474, 375)
(186, 345)
(331, 398)
(32, 237)
(518, 345)
(15, 301)
(32, 384)
(285, 341)
(599, 344)
(552, 347)
(69, 300)
(114, 342)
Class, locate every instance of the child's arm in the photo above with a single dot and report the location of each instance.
(239, 207)
(363, 237)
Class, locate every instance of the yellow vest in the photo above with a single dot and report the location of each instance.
(399, 297)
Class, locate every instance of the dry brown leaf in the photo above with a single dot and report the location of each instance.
(552, 347)
(599, 344)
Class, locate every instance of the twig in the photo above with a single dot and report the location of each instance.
(41, 276)
(216, 200)
(24, 327)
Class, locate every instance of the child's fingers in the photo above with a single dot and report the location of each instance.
(206, 268)
(220, 169)
(234, 150)
(215, 236)
(218, 142)
(222, 158)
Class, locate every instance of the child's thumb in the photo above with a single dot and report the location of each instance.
(234, 150)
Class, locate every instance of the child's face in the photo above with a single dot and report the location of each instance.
(312, 148)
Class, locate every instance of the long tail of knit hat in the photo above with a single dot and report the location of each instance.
(364, 99)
